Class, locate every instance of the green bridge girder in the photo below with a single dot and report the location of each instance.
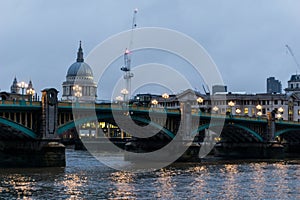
(26, 131)
(72, 124)
(293, 126)
(206, 126)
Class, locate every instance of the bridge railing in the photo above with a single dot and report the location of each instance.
(19, 103)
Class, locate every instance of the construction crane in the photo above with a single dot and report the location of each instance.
(127, 61)
(292, 54)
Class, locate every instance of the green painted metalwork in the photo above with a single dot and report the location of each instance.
(205, 126)
(23, 129)
(278, 133)
(72, 124)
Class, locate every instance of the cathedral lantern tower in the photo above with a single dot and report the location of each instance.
(79, 84)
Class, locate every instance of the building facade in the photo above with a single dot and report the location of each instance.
(79, 84)
(293, 84)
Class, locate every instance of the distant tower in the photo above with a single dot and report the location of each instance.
(14, 87)
(80, 75)
(273, 85)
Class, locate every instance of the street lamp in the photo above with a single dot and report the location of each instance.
(215, 109)
(231, 104)
(154, 102)
(259, 107)
(238, 111)
(199, 100)
(124, 92)
(279, 115)
(22, 85)
(77, 91)
(119, 98)
(165, 96)
(31, 92)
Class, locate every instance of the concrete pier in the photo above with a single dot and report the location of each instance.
(40, 153)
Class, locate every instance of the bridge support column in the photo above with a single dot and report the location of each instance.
(54, 151)
(186, 120)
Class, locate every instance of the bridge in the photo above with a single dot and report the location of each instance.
(35, 125)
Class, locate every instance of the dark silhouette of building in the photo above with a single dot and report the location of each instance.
(273, 86)
(219, 88)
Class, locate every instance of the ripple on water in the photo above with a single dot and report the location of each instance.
(85, 177)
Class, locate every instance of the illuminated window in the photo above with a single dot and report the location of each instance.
(246, 111)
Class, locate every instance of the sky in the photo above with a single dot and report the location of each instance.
(246, 39)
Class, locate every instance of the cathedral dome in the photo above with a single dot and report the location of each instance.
(80, 68)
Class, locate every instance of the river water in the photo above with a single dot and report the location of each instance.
(86, 178)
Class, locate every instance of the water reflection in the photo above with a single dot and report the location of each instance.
(164, 184)
(18, 185)
(123, 185)
(72, 184)
(84, 178)
(230, 182)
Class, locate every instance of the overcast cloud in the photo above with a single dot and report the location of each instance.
(246, 39)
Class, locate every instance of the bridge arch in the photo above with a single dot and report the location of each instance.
(22, 129)
(281, 132)
(72, 124)
(205, 126)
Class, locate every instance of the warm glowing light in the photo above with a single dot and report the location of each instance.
(119, 98)
(23, 85)
(231, 103)
(165, 96)
(280, 109)
(258, 107)
(238, 111)
(215, 108)
(200, 100)
(124, 91)
(259, 113)
(279, 116)
(30, 91)
(154, 102)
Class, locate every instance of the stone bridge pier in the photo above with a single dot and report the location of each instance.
(43, 149)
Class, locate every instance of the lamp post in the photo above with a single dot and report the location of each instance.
(165, 96)
(215, 109)
(22, 85)
(259, 113)
(238, 111)
(124, 92)
(77, 91)
(200, 101)
(119, 98)
(154, 102)
(31, 92)
(280, 112)
(231, 104)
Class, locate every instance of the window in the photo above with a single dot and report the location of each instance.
(275, 102)
(246, 111)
